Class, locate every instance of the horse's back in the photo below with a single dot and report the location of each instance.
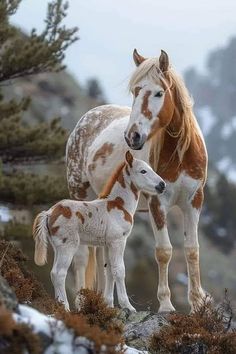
(88, 128)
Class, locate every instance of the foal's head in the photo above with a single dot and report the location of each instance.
(143, 176)
(153, 106)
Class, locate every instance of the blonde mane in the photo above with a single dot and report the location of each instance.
(111, 181)
(189, 131)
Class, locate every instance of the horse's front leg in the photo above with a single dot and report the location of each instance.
(191, 248)
(163, 253)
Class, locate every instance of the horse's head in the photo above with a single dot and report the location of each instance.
(143, 176)
(153, 106)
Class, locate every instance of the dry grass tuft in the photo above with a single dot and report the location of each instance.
(97, 312)
(95, 321)
(24, 283)
(207, 330)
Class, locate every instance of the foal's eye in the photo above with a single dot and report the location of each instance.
(143, 172)
(159, 94)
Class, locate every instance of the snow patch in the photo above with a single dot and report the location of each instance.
(62, 338)
(5, 215)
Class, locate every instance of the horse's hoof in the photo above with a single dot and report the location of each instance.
(129, 309)
(164, 311)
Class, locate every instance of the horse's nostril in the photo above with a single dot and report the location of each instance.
(136, 136)
(162, 185)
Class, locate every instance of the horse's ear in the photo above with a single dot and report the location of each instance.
(138, 59)
(129, 158)
(164, 61)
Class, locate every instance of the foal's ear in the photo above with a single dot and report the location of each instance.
(138, 59)
(164, 61)
(129, 158)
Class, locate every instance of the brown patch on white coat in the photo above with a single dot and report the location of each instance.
(57, 211)
(132, 130)
(118, 203)
(86, 130)
(116, 177)
(144, 107)
(80, 216)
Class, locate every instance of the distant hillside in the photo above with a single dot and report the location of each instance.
(53, 95)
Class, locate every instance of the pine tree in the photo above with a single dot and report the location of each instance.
(23, 55)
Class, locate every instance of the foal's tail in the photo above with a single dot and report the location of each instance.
(40, 235)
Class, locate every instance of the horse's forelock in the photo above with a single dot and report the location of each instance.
(148, 69)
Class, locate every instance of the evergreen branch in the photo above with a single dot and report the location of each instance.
(29, 189)
(28, 55)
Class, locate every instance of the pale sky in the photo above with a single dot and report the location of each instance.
(110, 30)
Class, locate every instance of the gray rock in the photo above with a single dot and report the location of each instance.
(7, 295)
(139, 326)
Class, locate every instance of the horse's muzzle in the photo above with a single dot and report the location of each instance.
(136, 142)
(160, 187)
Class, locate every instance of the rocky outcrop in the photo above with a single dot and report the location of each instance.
(7, 295)
(139, 326)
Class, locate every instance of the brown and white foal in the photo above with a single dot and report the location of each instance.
(106, 221)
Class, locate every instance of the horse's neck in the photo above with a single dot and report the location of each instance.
(126, 192)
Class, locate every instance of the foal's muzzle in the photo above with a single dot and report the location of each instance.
(160, 187)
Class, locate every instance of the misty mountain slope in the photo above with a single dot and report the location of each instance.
(52, 95)
(214, 94)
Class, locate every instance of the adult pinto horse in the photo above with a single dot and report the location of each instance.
(163, 131)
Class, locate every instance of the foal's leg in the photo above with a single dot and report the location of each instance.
(100, 283)
(191, 248)
(109, 281)
(163, 253)
(116, 256)
(63, 255)
(80, 261)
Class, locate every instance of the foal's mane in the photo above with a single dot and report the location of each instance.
(111, 181)
(189, 131)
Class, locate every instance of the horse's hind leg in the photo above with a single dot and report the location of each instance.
(163, 253)
(63, 255)
(191, 248)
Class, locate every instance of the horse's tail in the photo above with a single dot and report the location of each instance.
(90, 274)
(40, 235)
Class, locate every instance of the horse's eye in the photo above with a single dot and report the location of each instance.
(159, 94)
(143, 172)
